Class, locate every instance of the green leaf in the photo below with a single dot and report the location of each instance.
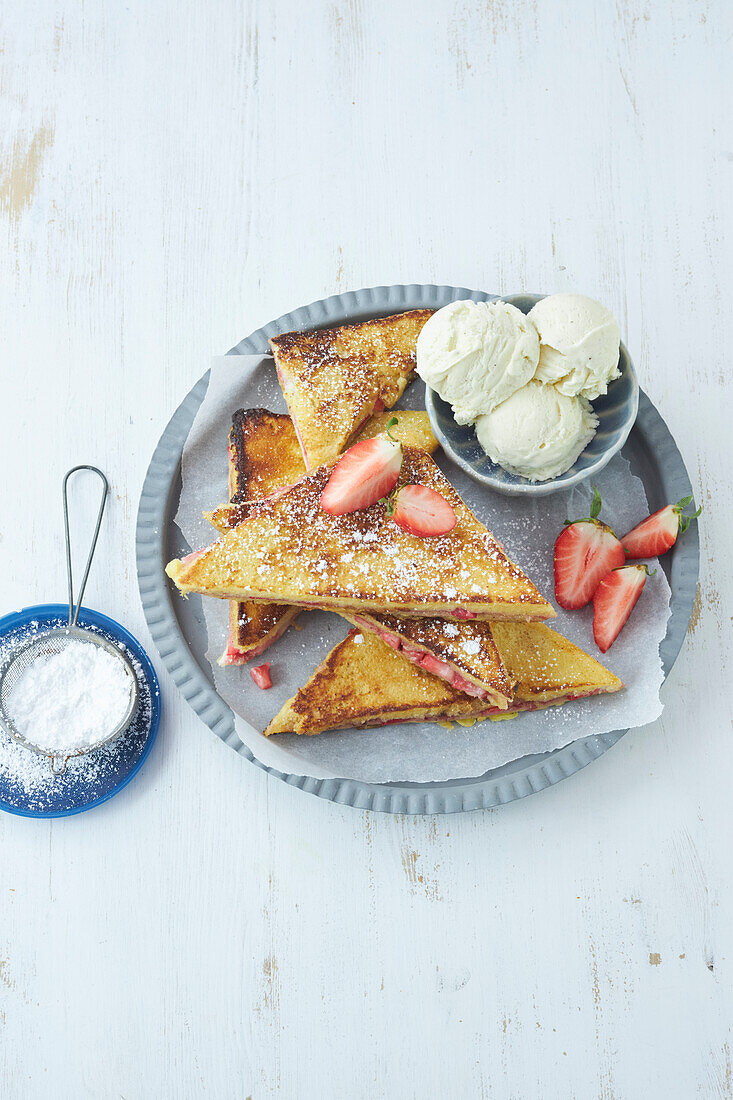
(596, 505)
(389, 503)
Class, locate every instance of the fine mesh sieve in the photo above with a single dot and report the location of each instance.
(53, 642)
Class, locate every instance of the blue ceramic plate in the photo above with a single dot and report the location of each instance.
(27, 787)
(616, 412)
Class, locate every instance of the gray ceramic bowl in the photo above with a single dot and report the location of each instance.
(616, 412)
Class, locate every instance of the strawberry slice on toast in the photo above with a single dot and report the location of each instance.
(367, 472)
(423, 512)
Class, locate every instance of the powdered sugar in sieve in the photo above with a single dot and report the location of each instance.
(68, 691)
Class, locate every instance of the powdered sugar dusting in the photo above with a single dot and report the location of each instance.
(289, 549)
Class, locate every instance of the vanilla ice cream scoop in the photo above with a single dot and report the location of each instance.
(579, 344)
(476, 354)
(537, 432)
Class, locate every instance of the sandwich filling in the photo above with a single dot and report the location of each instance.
(439, 666)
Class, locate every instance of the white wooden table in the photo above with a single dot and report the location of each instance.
(176, 173)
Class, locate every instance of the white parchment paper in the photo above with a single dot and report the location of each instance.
(419, 752)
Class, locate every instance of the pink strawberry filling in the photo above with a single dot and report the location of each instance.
(414, 612)
(489, 711)
(235, 655)
(426, 660)
(191, 558)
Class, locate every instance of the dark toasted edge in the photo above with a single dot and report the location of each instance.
(243, 420)
(297, 338)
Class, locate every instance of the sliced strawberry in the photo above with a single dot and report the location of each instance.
(367, 472)
(655, 535)
(614, 600)
(584, 552)
(423, 512)
(261, 676)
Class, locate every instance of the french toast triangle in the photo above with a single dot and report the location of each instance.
(288, 550)
(333, 379)
(464, 654)
(363, 683)
(265, 457)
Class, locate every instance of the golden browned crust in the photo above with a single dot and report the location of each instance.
(363, 683)
(264, 454)
(468, 648)
(289, 550)
(333, 379)
(357, 680)
(412, 429)
(544, 663)
(264, 457)
(253, 627)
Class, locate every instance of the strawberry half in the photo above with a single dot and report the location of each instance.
(655, 535)
(584, 553)
(261, 676)
(614, 600)
(423, 512)
(367, 472)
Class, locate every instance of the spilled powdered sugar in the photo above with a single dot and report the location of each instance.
(26, 779)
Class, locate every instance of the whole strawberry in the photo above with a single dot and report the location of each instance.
(660, 531)
(585, 552)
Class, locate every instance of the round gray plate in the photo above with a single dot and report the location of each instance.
(177, 625)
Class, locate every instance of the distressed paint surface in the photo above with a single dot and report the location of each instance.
(173, 175)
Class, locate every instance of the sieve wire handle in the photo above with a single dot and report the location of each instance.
(74, 611)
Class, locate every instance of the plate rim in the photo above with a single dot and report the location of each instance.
(454, 796)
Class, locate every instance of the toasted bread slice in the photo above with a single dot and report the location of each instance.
(412, 429)
(364, 683)
(546, 665)
(253, 627)
(288, 550)
(264, 458)
(465, 655)
(264, 455)
(333, 379)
